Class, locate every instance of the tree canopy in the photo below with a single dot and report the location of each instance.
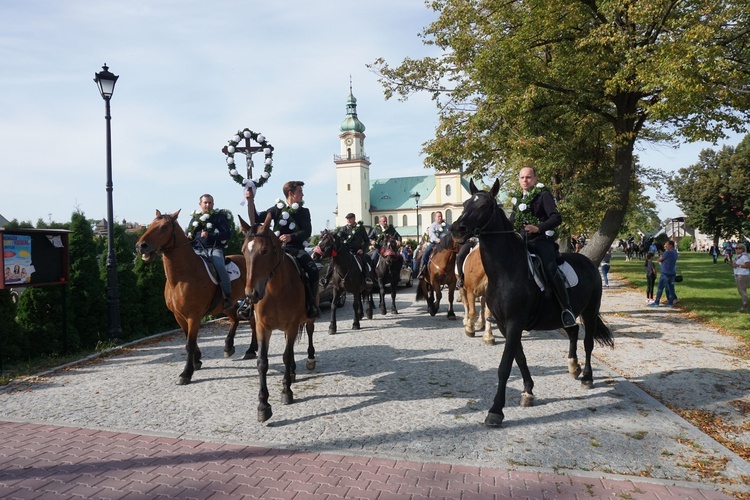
(571, 85)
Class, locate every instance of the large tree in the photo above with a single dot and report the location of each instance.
(714, 192)
(519, 80)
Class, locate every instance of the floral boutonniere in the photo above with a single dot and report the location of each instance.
(382, 232)
(202, 221)
(522, 207)
(287, 215)
(440, 230)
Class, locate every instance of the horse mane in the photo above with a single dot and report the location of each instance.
(445, 243)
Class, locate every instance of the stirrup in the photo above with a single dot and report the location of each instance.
(568, 318)
(459, 283)
(368, 282)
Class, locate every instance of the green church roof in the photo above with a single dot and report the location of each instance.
(395, 194)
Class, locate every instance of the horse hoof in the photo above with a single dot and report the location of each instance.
(394, 311)
(383, 311)
(183, 381)
(310, 365)
(469, 333)
(527, 400)
(433, 312)
(331, 331)
(451, 315)
(264, 414)
(489, 341)
(575, 373)
(369, 315)
(198, 365)
(587, 384)
(250, 354)
(493, 420)
(287, 398)
(228, 353)
(355, 326)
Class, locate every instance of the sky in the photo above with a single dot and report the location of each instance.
(192, 73)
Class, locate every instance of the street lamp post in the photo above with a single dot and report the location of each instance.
(106, 83)
(416, 197)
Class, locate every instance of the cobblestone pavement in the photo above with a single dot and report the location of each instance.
(394, 410)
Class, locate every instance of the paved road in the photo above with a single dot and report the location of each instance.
(394, 410)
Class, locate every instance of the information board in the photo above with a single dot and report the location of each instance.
(32, 257)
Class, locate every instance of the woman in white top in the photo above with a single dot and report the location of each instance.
(741, 265)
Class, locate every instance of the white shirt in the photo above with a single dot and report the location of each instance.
(742, 259)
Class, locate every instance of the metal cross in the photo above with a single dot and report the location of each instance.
(248, 151)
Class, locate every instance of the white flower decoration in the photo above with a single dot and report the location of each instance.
(266, 151)
(261, 138)
(235, 138)
(246, 134)
(549, 232)
(282, 222)
(522, 207)
(269, 161)
(204, 217)
(285, 215)
(231, 149)
(279, 205)
(292, 226)
(265, 175)
(514, 200)
(539, 185)
(295, 206)
(209, 226)
(277, 233)
(233, 171)
(195, 223)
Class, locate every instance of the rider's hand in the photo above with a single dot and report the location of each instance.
(285, 238)
(531, 229)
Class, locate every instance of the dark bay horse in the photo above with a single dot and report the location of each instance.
(475, 287)
(275, 288)
(388, 270)
(516, 301)
(440, 271)
(189, 292)
(347, 276)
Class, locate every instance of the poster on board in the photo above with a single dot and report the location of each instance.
(17, 259)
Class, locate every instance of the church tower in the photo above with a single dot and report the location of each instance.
(352, 167)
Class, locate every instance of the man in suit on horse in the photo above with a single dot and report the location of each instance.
(292, 224)
(536, 214)
(211, 240)
(376, 237)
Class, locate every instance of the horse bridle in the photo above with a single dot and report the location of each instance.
(275, 252)
(164, 249)
(336, 249)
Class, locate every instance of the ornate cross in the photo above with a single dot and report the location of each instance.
(248, 151)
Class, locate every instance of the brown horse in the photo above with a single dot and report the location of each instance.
(475, 286)
(275, 288)
(440, 271)
(189, 293)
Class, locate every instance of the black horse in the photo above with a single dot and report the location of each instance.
(348, 276)
(516, 301)
(388, 270)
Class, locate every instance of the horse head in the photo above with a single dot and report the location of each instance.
(263, 256)
(160, 237)
(477, 214)
(389, 246)
(328, 245)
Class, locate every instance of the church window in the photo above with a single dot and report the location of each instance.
(403, 221)
(449, 216)
(348, 153)
(447, 190)
(390, 220)
(375, 221)
(348, 187)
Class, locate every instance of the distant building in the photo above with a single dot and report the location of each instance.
(394, 198)
(3, 221)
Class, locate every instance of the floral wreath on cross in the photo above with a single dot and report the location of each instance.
(231, 149)
(287, 216)
(201, 222)
(523, 210)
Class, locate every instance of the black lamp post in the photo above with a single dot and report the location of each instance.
(106, 83)
(416, 196)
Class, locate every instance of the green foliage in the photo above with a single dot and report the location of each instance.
(40, 316)
(86, 286)
(684, 244)
(12, 344)
(151, 280)
(708, 292)
(714, 192)
(131, 315)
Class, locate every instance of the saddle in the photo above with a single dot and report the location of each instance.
(231, 267)
(536, 268)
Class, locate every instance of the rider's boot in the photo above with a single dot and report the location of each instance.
(245, 310)
(311, 299)
(460, 281)
(558, 286)
(422, 267)
(226, 294)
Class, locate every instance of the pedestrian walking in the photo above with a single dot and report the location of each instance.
(605, 266)
(650, 276)
(741, 267)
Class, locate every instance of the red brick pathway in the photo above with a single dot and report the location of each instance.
(47, 461)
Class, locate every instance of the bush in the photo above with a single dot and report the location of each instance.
(684, 244)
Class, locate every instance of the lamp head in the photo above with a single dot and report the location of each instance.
(106, 82)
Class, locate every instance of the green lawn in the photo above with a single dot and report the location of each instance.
(708, 292)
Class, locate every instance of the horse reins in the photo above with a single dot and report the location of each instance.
(281, 259)
(165, 250)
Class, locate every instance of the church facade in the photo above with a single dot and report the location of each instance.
(409, 203)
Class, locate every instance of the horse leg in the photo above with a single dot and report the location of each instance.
(451, 292)
(574, 367)
(488, 338)
(394, 285)
(433, 301)
(264, 408)
(512, 344)
(229, 340)
(310, 327)
(192, 361)
(357, 304)
(290, 368)
(590, 324)
(252, 351)
(332, 324)
(471, 311)
(381, 284)
(370, 302)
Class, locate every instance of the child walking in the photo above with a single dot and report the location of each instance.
(650, 277)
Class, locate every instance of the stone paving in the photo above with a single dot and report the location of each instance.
(399, 403)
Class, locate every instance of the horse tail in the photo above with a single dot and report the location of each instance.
(602, 334)
(420, 292)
